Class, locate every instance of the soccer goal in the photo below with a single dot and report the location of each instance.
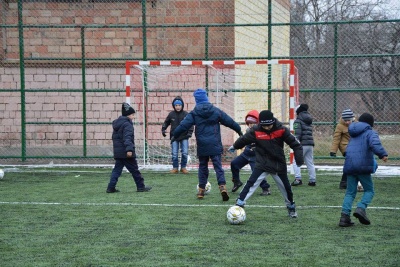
(236, 87)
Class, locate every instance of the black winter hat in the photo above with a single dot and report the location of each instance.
(127, 109)
(266, 117)
(301, 108)
(368, 118)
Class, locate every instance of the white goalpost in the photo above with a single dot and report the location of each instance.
(236, 87)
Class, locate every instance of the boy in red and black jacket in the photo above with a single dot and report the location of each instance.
(269, 137)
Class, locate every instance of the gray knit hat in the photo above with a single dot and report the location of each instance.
(347, 114)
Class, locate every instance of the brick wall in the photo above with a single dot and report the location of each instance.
(62, 104)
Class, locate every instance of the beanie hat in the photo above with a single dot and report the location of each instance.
(368, 118)
(177, 102)
(127, 109)
(347, 114)
(200, 95)
(251, 117)
(301, 108)
(266, 117)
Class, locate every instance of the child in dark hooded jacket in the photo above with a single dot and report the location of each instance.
(207, 120)
(174, 118)
(123, 138)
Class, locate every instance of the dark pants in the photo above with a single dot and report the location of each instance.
(203, 170)
(344, 177)
(133, 168)
(239, 162)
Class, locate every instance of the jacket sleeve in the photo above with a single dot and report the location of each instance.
(227, 121)
(294, 144)
(297, 130)
(246, 139)
(376, 146)
(128, 137)
(337, 135)
(166, 123)
(186, 124)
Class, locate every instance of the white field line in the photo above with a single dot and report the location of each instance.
(177, 205)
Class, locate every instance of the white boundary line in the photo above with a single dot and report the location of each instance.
(176, 205)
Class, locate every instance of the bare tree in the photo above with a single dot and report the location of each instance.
(359, 47)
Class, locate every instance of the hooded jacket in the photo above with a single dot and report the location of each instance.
(207, 119)
(123, 137)
(303, 129)
(174, 118)
(341, 137)
(363, 144)
(270, 156)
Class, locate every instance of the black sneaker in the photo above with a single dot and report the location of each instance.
(144, 189)
(312, 183)
(297, 182)
(112, 190)
(236, 186)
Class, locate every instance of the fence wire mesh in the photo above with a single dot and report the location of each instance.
(62, 65)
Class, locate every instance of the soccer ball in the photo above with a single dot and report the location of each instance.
(236, 215)
(1, 173)
(208, 188)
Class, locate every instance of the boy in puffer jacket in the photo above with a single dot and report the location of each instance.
(358, 165)
(208, 119)
(269, 137)
(248, 156)
(123, 138)
(303, 130)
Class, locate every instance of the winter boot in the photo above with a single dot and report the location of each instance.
(343, 185)
(265, 192)
(174, 171)
(224, 193)
(345, 220)
(200, 193)
(184, 171)
(236, 185)
(361, 215)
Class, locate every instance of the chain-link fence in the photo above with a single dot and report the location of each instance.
(62, 67)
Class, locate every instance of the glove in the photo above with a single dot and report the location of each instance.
(231, 149)
(163, 133)
(240, 133)
(333, 155)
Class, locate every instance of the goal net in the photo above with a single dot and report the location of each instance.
(236, 87)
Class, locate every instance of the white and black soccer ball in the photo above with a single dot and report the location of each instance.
(1, 173)
(208, 188)
(236, 215)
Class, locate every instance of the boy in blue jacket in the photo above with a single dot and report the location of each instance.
(207, 120)
(358, 165)
(123, 138)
